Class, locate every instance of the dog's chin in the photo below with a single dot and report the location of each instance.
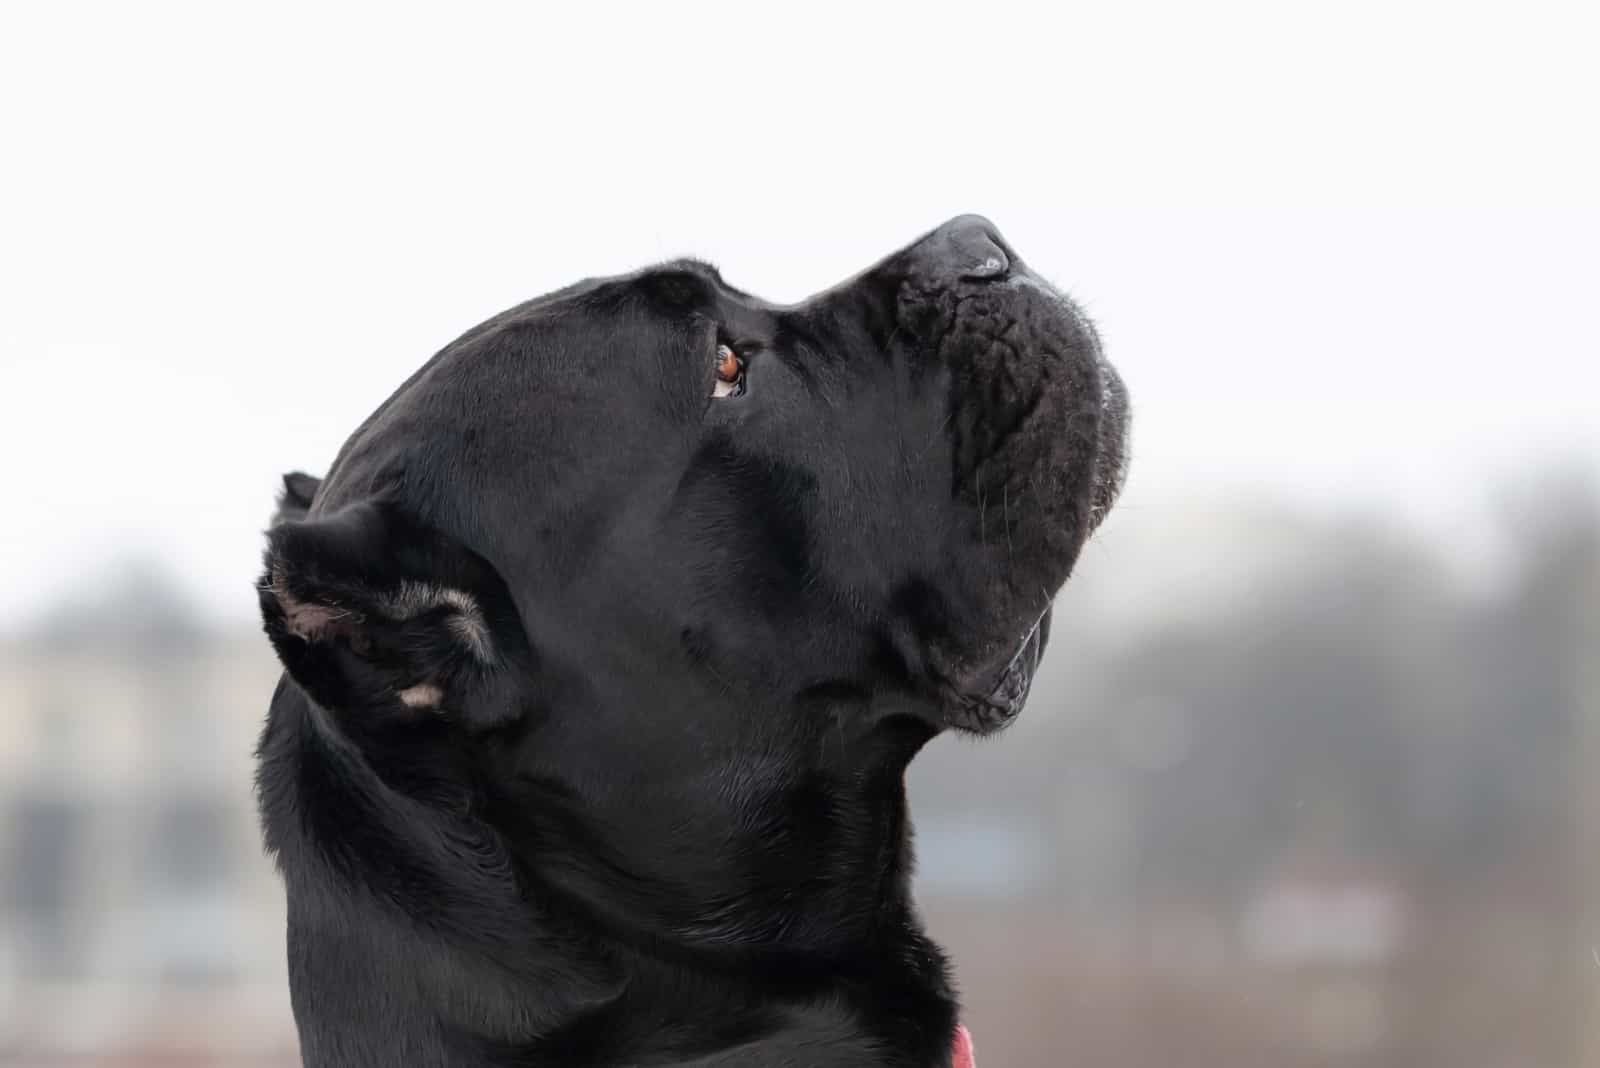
(992, 708)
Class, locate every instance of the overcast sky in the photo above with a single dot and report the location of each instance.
(1350, 257)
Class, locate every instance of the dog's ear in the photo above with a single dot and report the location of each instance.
(294, 500)
(375, 615)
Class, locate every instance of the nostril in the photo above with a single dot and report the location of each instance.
(990, 267)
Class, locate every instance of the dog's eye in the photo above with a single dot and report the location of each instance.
(730, 373)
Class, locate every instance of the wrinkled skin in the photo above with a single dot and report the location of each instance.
(600, 690)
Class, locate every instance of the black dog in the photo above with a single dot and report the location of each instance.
(609, 638)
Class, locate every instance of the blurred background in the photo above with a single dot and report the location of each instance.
(1312, 775)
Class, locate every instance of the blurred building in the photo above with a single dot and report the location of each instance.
(1325, 938)
(136, 909)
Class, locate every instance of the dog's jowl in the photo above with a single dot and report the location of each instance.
(608, 638)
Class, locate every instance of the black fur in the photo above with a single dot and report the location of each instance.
(599, 692)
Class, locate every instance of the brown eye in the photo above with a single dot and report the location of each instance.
(730, 373)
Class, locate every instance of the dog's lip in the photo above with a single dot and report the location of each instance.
(1111, 463)
(987, 713)
(983, 712)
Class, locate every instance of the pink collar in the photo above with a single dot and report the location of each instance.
(962, 1057)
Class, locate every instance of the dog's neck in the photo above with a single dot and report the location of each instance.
(426, 926)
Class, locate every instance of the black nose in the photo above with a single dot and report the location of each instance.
(967, 246)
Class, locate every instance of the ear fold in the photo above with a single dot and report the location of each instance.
(375, 615)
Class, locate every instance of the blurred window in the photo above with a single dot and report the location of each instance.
(42, 857)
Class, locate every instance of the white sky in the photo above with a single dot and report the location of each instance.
(1350, 256)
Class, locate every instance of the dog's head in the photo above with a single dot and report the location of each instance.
(685, 556)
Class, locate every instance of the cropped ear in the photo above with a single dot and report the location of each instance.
(375, 615)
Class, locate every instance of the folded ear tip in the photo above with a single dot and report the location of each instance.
(301, 486)
(294, 500)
